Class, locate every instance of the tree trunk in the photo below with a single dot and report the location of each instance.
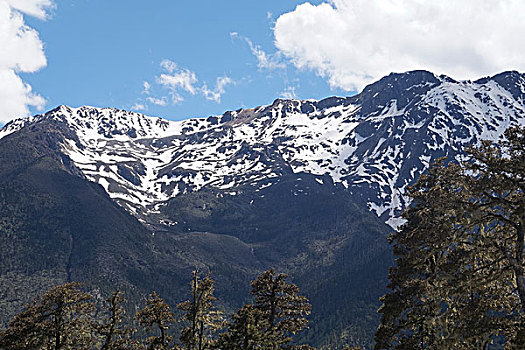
(58, 326)
(201, 335)
(518, 269)
(162, 337)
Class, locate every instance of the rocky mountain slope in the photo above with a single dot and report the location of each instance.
(307, 186)
(374, 143)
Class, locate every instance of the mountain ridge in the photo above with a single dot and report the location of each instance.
(116, 199)
(359, 141)
(56, 226)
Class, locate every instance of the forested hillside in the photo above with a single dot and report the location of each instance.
(66, 317)
(119, 200)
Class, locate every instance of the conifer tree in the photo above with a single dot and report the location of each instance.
(305, 347)
(156, 314)
(281, 306)
(246, 330)
(459, 277)
(200, 314)
(60, 319)
(114, 335)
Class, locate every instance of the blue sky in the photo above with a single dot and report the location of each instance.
(101, 52)
(179, 59)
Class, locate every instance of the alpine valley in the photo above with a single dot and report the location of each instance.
(312, 188)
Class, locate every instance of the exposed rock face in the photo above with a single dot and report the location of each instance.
(374, 143)
(117, 199)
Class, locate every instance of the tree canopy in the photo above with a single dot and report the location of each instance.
(66, 317)
(200, 314)
(157, 315)
(59, 319)
(458, 281)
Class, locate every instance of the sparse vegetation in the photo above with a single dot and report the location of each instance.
(65, 317)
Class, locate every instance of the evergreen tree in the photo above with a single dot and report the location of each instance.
(459, 280)
(114, 335)
(202, 317)
(246, 331)
(305, 347)
(281, 306)
(60, 319)
(156, 314)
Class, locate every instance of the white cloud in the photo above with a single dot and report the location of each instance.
(16, 96)
(179, 81)
(353, 42)
(139, 107)
(158, 101)
(176, 98)
(168, 65)
(146, 87)
(289, 93)
(216, 94)
(22, 52)
(264, 59)
(35, 8)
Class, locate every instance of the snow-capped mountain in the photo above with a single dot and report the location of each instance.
(373, 144)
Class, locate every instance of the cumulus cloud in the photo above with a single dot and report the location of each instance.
(22, 52)
(35, 8)
(353, 42)
(264, 59)
(16, 96)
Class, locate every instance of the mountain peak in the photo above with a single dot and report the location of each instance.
(402, 87)
(512, 81)
(403, 81)
(374, 143)
(111, 123)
